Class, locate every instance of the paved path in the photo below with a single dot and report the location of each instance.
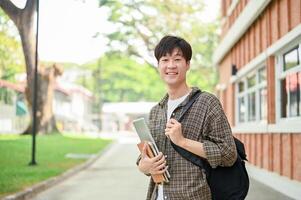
(115, 176)
(260, 191)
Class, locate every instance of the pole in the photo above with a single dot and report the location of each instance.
(35, 95)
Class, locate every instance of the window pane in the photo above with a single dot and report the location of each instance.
(241, 86)
(290, 96)
(241, 109)
(251, 81)
(283, 98)
(299, 86)
(251, 107)
(291, 59)
(293, 94)
(263, 103)
(262, 74)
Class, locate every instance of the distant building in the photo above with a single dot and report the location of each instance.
(258, 60)
(119, 116)
(14, 116)
(72, 107)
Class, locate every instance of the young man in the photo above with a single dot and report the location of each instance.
(203, 131)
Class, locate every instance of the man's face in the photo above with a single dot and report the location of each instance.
(173, 68)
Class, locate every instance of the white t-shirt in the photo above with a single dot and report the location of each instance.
(171, 106)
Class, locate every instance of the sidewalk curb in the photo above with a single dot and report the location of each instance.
(33, 190)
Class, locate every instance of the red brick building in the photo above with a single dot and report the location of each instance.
(259, 64)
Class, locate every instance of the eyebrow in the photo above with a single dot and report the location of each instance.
(179, 54)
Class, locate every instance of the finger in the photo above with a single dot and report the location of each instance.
(173, 121)
(167, 130)
(170, 121)
(161, 171)
(167, 133)
(169, 125)
(161, 166)
(157, 158)
(160, 162)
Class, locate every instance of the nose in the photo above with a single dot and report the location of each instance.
(171, 64)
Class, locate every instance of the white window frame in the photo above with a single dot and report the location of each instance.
(281, 126)
(288, 124)
(258, 86)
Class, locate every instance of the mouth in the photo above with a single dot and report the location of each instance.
(171, 73)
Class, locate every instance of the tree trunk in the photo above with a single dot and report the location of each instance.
(24, 20)
(45, 118)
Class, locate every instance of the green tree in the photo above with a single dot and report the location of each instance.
(120, 78)
(11, 58)
(140, 24)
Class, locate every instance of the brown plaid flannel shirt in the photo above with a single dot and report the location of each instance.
(205, 122)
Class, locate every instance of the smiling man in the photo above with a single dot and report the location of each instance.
(203, 131)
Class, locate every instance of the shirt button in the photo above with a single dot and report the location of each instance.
(173, 114)
(165, 197)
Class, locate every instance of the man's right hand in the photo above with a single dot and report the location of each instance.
(155, 165)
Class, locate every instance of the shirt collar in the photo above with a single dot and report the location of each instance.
(164, 100)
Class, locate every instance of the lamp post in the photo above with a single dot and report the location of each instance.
(35, 95)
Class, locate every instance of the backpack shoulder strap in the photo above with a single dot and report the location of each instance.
(195, 159)
(189, 104)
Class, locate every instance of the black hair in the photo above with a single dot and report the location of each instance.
(168, 43)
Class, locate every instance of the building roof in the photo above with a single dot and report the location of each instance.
(71, 88)
(128, 107)
(13, 86)
(66, 88)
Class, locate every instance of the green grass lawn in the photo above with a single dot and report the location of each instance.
(15, 155)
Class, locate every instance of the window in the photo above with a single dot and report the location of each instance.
(241, 102)
(290, 84)
(262, 74)
(252, 97)
(290, 59)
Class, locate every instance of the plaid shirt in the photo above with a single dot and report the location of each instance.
(205, 122)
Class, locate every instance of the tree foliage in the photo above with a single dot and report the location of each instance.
(139, 25)
(119, 78)
(11, 57)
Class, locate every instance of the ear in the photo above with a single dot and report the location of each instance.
(188, 65)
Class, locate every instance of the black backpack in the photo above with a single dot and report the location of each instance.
(226, 183)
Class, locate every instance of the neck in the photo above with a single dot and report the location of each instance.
(177, 92)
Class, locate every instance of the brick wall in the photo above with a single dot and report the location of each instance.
(276, 152)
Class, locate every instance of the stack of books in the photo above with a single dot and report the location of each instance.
(151, 152)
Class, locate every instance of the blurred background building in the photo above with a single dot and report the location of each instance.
(14, 115)
(72, 106)
(260, 88)
(119, 116)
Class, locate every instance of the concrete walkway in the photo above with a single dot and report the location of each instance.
(115, 176)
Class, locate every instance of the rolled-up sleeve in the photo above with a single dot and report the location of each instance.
(218, 143)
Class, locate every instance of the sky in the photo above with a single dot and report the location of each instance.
(67, 27)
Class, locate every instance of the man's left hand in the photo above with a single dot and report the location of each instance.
(174, 131)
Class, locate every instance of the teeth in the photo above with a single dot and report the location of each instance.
(172, 73)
